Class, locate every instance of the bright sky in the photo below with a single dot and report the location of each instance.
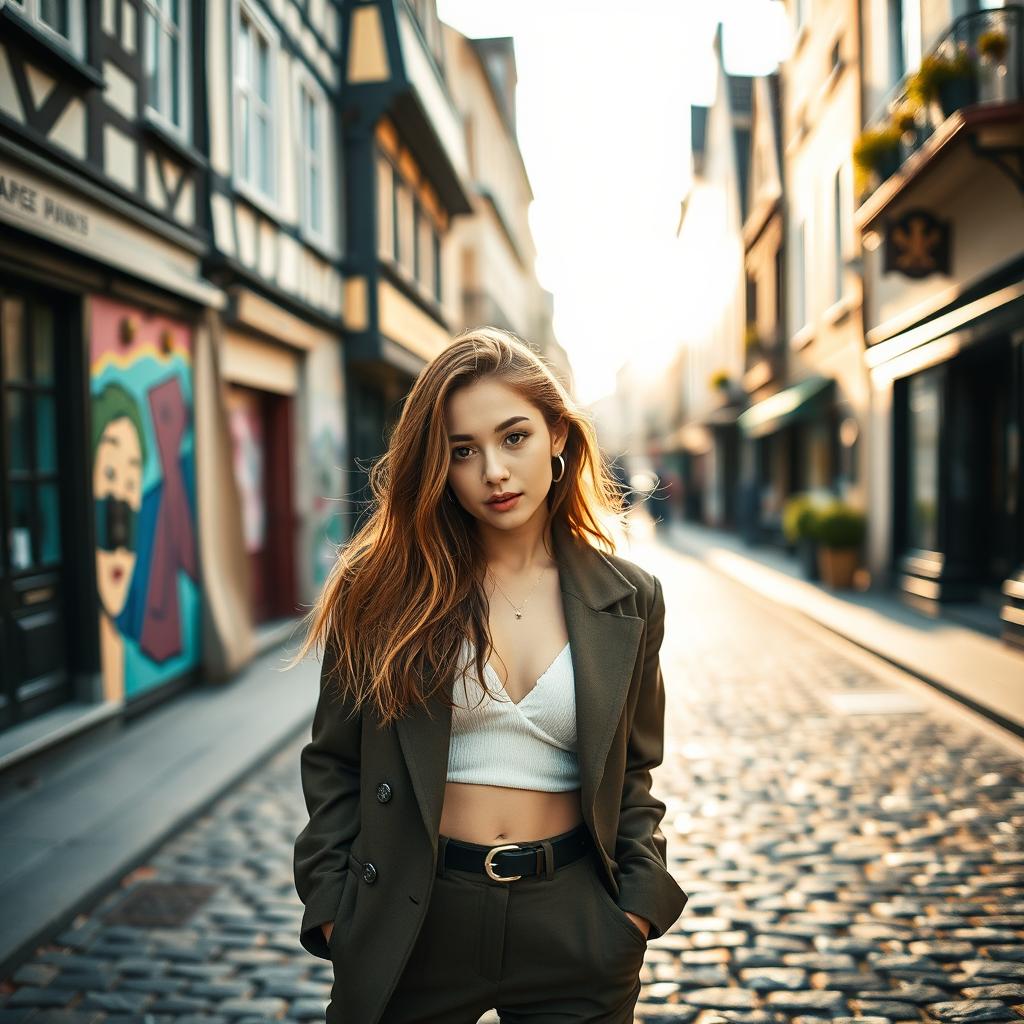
(604, 125)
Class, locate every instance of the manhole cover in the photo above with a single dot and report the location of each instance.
(877, 702)
(160, 904)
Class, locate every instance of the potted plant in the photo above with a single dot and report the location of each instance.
(993, 73)
(798, 518)
(993, 44)
(877, 151)
(839, 529)
(720, 380)
(948, 79)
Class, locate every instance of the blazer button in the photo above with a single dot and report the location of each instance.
(369, 873)
(383, 793)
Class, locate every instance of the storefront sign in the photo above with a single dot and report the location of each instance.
(41, 207)
(917, 244)
(31, 202)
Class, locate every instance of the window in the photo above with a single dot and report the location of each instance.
(436, 240)
(396, 240)
(418, 224)
(312, 123)
(167, 70)
(405, 238)
(904, 36)
(385, 208)
(254, 102)
(800, 275)
(839, 233)
(60, 20)
(779, 283)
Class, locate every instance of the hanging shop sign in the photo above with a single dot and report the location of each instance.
(917, 244)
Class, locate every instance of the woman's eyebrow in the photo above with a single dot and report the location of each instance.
(501, 426)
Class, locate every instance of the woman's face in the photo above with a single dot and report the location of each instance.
(499, 443)
(117, 477)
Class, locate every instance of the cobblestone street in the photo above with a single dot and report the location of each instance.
(849, 849)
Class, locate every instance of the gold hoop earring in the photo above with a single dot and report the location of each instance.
(561, 461)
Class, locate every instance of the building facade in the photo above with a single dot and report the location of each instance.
(808, 434)
(494, 248)
(942, 224)
(405, 157)
(704, 449)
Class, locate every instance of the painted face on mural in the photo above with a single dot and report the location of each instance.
(117, 490)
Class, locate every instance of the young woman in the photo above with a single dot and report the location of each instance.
(481, 830)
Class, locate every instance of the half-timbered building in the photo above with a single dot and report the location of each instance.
(405, 158)
(277, 180)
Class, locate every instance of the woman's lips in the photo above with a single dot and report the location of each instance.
(504, 506)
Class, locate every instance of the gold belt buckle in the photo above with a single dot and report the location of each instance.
(490, 857)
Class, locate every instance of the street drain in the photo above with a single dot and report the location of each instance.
(160, 904)
(876, 702)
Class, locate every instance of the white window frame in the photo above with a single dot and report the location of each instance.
(75, 42)
(385, 207)
(801, 313)
(911, 35)
(307, 85)
(839, 226)
(166, 27)
(250, 186)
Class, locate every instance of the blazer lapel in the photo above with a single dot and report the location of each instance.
(604, 646)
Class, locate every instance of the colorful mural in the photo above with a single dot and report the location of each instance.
(144, 497)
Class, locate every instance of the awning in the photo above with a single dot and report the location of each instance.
(802, 401)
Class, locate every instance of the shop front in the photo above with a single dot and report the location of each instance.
(957, 421)
(790, 443)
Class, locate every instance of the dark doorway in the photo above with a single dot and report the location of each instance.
(37, 557)
(981, 546)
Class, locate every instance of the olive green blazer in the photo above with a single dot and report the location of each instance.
(367, 858)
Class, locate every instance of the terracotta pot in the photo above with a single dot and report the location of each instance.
(837, 566)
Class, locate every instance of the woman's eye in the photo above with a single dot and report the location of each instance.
(463, 448)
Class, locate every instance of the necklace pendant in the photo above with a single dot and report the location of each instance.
(519, 615)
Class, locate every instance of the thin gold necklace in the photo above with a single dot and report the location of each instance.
(519, 611)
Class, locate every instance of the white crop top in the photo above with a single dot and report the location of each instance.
(529, 745)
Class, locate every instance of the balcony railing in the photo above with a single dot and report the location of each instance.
(979, 62)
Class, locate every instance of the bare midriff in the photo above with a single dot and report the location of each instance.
(489, 815)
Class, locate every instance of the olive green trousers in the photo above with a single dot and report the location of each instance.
(542, 949)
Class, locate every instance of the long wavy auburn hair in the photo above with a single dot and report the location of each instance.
(407, 588)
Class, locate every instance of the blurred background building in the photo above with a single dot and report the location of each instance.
(853, 324)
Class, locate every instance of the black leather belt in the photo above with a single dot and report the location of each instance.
(509, 861)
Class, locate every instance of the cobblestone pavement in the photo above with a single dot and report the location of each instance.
(839, 863)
